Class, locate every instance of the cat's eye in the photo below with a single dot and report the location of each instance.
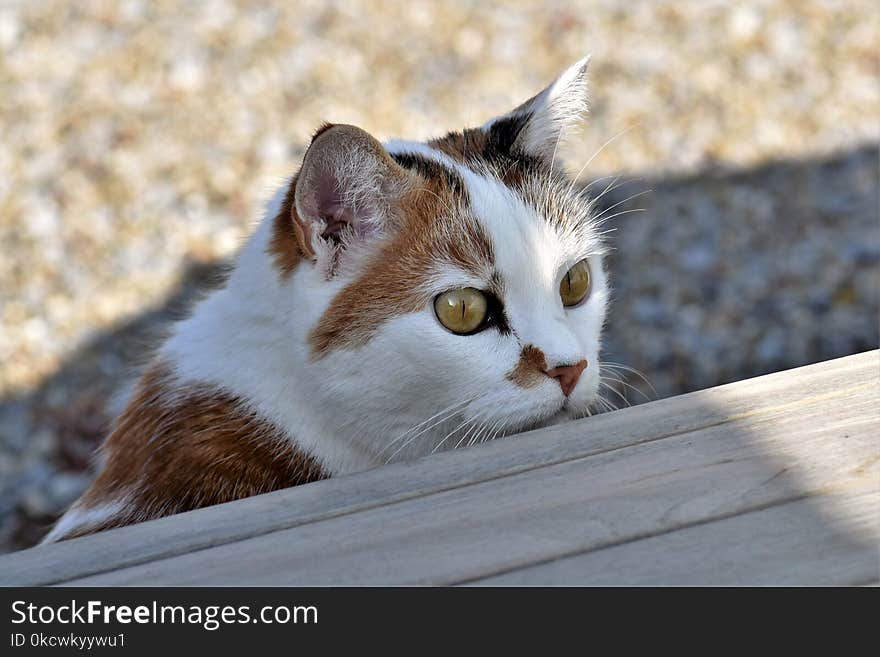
(462, 311)
(575, 285)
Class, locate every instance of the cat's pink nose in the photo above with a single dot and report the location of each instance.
(567, 375)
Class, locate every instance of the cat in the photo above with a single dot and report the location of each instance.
(395, 300)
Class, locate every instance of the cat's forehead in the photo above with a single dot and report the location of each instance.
(531, 218)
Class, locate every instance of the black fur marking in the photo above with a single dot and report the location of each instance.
(427, 169)
(496, 317)
(500, 145)
(504, 133)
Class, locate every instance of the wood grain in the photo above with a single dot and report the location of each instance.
(803, 542)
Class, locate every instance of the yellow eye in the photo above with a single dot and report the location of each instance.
(461, 311)
(575, 285)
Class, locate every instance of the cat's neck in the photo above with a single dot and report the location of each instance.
(250, 339)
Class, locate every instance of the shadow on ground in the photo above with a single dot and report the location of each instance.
(721, 275)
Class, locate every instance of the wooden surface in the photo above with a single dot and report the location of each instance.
(774, 480)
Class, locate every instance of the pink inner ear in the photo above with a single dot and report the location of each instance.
(337, 217)
(334, 213)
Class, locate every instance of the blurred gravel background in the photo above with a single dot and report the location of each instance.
(139, 139)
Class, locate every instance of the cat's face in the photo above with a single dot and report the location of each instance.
(456, 287)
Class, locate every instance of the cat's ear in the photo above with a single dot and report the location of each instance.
(345, 189)
(538, 125)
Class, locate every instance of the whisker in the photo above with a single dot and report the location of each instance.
(601, 148)
(615, 391)
(618, 214)
(614, 184)
(409, 432)
(597, 180)
(614, 376)
(607, 231)
(626, 368)
(606, 404)
(409, 441)
(609, 187)
(490, 430)
(473, 428)
(628, 198)
(478, 429)
(420, 428)
(473, 438)
(493, 433)
(458, 428)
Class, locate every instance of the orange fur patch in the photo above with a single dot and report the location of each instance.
(493, 148)
(531, 368)
(288, 244)
(177, 449)
(462, 146)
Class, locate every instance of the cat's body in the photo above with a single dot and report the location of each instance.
(395, 300)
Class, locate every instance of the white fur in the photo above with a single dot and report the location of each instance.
(78, 518)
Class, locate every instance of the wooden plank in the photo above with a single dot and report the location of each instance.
(323, 500)
(824, 540)
(756, 461)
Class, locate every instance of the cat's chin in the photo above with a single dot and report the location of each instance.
(565, 413)
(562, 414)
(559, 417)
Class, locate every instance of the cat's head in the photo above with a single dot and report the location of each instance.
(457, 283)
